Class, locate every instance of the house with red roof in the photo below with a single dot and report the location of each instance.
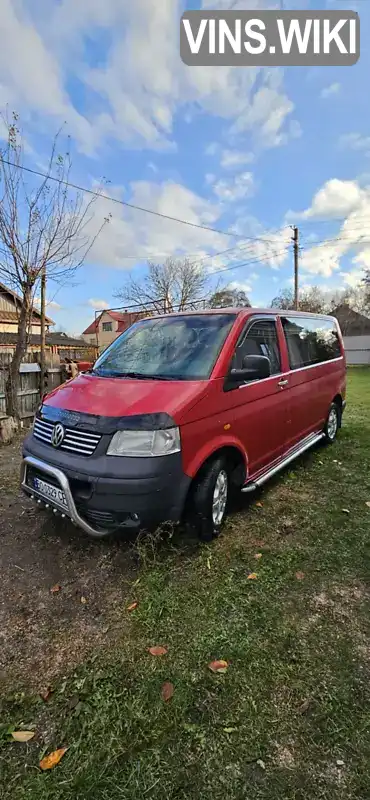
(108, 325)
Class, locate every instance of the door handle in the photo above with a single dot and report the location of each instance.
(283, 382)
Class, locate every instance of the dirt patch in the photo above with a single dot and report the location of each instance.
(44, 633)
(284, 756)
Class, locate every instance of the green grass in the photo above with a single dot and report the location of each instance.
(287, 641)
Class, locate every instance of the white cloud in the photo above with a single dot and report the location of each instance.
(354, 279)
(266, 114)
(229, 190)
(139, 83)
(212, 149)
(240, 286)
(355, 141)
(335, 198)
(362, 259)
(133, 233)
(30, 73)
(98, 305)
(235, 158)
(329, 91)
(345, 199)
(50, 304)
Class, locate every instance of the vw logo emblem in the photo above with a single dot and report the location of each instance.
(57, 435)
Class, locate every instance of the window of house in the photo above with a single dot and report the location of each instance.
(310, 341)
(260, 340)
(107, 326)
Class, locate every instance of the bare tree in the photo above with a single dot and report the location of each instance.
(357, 298)
(44, 232)
(175, 285)
(312, 299)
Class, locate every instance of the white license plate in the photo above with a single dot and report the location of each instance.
(50, 492)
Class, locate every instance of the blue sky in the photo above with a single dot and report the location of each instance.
(253, 150)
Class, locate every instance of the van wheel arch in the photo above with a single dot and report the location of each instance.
(338, 401)
(237, 472)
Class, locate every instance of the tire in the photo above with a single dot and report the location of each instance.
(332, 424)
(207, 514)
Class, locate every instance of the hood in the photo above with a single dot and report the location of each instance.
(119, 397)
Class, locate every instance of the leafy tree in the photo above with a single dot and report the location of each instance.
(229, 298)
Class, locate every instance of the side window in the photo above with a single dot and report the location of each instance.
(260, 340)
(310, 341)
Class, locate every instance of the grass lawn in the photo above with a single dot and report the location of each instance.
(290, 718)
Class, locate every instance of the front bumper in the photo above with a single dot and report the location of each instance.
(132, 497)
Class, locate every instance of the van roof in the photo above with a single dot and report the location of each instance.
(246, 312)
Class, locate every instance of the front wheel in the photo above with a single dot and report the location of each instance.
(332, 423)
(210, 499)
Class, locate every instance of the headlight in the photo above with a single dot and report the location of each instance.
(145, 443)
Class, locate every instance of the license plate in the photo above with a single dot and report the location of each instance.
(50, 492)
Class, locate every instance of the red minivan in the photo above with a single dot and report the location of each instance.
(180, 412)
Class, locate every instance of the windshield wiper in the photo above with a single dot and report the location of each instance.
(135, 375)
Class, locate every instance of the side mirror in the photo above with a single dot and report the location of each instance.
(254, 368)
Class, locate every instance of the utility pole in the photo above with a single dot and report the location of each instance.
(43, 330)
(296, 276)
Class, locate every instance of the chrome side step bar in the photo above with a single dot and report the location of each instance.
(298, 451)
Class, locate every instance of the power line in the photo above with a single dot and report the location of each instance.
(323, 242)
(330, 220)
(345, 231)
(247, 263)
(131, 205)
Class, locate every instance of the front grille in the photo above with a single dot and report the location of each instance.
(75, 441)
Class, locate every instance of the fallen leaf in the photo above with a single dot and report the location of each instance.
(259, 505)
(340, 763)
(335, 461)
(258, 556)
(83, 600)
(23, 736)
(230, 730)
(132, 606)
(346, 511)
(218, 666)
(321, 463)
(53, 759)
(73, 702)
(368, 503)
(305, 706)
(252, 576)
(299, 576)
(46, 694)
(167, 691)
(261, 763)
(209, 563)
(157, 651)
(55, 589)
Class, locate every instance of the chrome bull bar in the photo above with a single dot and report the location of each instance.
(71, 511)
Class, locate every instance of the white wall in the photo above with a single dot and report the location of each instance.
(357, 349)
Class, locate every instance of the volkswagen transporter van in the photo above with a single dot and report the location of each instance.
(180, 412)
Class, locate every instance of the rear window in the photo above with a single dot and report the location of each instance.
(310, 341)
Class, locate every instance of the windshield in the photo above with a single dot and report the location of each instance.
(172, 348)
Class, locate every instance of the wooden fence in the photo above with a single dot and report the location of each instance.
(29, 389)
